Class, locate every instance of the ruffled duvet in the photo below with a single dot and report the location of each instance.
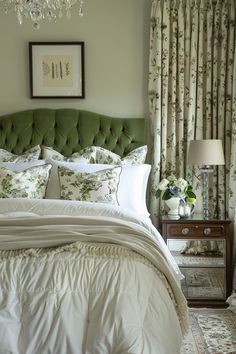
(80, 277)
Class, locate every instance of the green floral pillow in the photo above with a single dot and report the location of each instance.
(97, 154)
(29, 155)
(100, 186)
(30, 183)
(86, 155)
(137, 156)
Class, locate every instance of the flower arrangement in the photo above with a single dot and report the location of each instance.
(176, 187)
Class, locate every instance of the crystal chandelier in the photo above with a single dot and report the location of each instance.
(39, 10)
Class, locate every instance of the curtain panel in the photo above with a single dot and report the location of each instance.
(191, 92)
(192, 95)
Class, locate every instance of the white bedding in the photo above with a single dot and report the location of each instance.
(79, 277)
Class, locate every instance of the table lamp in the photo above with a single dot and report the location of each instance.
(206, 153)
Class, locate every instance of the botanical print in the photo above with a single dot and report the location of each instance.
(30, 183)
(86, 155)
(97, 154)
(136, 156)
(192, 95)
(57, 70)
(101, 186)
(191, 70)
(31, 154)
(105, 156)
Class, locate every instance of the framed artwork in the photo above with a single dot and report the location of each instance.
(56, 69)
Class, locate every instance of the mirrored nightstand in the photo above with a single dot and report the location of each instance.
(202, 249)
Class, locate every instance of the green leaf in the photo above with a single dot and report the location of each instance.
(166, 195)
(158, 193)
(190, 194)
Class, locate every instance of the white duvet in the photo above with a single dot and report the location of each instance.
(83, 278)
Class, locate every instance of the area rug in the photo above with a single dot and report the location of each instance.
(213, 331)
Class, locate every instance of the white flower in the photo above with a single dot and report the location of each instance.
(172, 187)
(172, 179)
(163, 184)
(182, 184)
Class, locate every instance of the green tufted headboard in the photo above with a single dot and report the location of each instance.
(69, 130)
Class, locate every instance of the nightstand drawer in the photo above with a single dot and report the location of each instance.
(195, 230)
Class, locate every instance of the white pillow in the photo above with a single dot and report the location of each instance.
(100, 186)
(131, 190)
(30, 183)
(29, 155)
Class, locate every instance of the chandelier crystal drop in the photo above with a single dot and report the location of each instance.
(39, 10)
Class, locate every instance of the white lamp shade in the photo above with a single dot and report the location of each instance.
(206, 152)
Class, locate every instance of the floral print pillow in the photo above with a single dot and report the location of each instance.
(29, 155)
(30, 183)
(100, 186)
(86, 155)
(137, 156)
(97, 154)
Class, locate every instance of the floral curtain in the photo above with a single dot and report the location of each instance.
(192, 94)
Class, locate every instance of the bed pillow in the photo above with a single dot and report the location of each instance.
(30, 183)
(97, 154)
(86, 155)
(131, 190)
(29, 155)
(100, 186)
(136, 156)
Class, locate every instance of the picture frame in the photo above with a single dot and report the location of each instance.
(56, 69)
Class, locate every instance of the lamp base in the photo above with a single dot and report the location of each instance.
(205, 170)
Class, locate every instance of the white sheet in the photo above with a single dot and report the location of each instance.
(104, 297)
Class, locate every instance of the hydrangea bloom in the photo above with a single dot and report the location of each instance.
(176, 187)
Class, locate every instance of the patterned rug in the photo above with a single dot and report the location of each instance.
(213, 331)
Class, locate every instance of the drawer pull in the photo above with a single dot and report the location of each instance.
(207, 231)
(185, 231)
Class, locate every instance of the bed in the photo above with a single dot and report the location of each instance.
(82, 268)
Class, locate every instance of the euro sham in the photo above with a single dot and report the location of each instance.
(30, 183)
(136, 156)
(97, 154)
(86, 155)
(100, 186)
(29, 155)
